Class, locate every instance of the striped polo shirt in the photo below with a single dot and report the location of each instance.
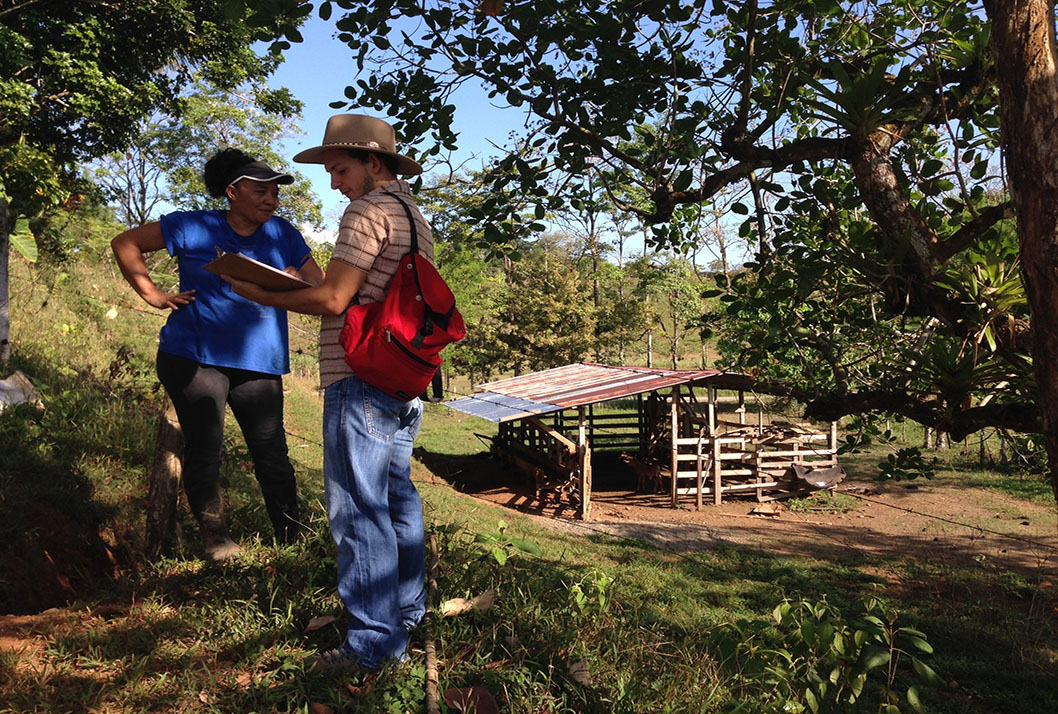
(373, 236)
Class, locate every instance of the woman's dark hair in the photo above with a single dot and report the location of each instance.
(221, 168)
(390, 162)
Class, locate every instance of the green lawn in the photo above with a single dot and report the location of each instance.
(581, 622)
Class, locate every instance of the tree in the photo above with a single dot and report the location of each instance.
(676, 291)
(76, 78)
(864, 132)
(134, 179)
(1024, 37)
(164, 162)
(546, 316)
(476, 280)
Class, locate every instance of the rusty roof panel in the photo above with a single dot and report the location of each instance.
(576, 385)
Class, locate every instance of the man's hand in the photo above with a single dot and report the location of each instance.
(250, 291)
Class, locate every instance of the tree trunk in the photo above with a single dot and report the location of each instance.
(5, 313)
(164, 488)
(1023, 43)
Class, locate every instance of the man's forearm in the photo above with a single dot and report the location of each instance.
(331, 297)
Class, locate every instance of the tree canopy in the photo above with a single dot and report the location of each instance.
(77, 77)
(862, 139)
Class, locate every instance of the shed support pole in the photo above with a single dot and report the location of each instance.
(641, 427)
(717, 485)
(675, 462)
(584, 454)
(711, 412)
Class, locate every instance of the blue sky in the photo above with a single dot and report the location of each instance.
(318, 70)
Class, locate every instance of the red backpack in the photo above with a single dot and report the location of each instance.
(395, 344)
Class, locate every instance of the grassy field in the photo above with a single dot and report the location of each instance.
(580, 623)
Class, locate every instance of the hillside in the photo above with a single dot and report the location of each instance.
(575, 621)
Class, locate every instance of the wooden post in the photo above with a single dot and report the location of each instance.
(700, 474)
(584, 454)
(674, 462)
(642, 427)
(716, 471)
(710, 414)
(164, 486)
(591, 425)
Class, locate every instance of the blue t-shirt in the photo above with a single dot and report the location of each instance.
(221, 328)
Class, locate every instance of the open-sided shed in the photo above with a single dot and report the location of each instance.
(548, 427)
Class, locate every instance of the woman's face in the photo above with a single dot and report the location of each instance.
(255, 201)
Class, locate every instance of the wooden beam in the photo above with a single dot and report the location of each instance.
(674, 419)
(585, 465)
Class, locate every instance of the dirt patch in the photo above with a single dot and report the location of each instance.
(55, 561)
(25, 637)
(928, 521)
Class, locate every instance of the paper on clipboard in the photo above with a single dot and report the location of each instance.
(254, 271)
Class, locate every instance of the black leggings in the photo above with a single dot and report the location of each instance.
(199, 393)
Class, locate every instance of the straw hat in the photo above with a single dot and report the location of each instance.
(359, 131)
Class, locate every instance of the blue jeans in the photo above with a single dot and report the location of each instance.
(376, 516)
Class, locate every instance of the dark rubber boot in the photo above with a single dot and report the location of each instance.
(284, 522)
(215, 539)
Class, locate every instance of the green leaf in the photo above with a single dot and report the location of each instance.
(913, 700)
(873, 657)
(926, 673)
(25, 244)
(500, 555)
(233, 9)
(813, 703)
(526, 546)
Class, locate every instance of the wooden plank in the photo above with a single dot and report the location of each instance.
(699, 478)
(717, 468)
(799, 452)
(708, 490)
(750, 486)
(553, 433)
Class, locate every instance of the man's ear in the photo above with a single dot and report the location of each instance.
(230, 191)
(378, 167)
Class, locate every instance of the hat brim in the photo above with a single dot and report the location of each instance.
(283, 179)
(405, 166)
(261, 172)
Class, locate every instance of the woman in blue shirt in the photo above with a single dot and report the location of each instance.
(218, 348)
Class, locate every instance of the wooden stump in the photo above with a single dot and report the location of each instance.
(164, 486)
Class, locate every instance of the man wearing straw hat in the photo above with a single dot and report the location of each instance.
(374, 508)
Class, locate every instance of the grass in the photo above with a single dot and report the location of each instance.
(183, 635)
(824, 502)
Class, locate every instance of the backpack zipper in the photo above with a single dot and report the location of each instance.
(405, 350)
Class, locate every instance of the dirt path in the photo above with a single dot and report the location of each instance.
(931, 521)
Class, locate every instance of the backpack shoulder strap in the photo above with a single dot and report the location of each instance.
(411, 222)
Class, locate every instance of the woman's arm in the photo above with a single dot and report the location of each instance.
(129, 248)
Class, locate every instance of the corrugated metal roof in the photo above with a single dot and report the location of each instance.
(577, 385)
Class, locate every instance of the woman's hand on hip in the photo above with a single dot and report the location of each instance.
(170, 301)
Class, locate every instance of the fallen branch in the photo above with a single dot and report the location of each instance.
(432, 698)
